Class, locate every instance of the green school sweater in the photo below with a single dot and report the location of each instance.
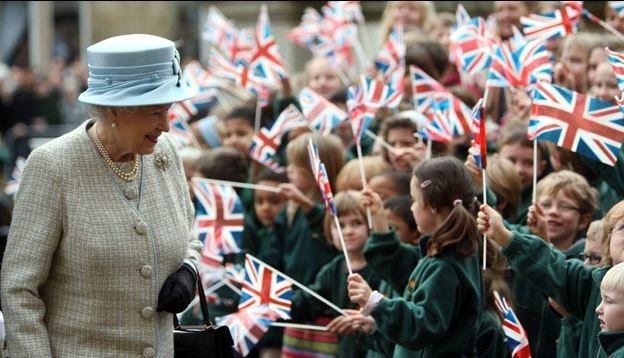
(611, 344)
(574, 286)
(331, 283)
(491, 340)
(569, 337)
(299, 249)
(391, 260)
(438, 315)
(376, 344)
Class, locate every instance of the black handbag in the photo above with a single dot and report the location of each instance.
(207, 341)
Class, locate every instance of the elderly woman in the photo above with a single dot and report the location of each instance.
(100, 250)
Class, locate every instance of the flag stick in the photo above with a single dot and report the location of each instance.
(359, 51)
(343, 76)
(484, 202)
(342, 243)
(303, 287)
(297, 325)
(369, 216)
(534, 170)
(379, 140)
(595, 19)
(258, 114)
(273, 189)
(223, 101)
(429, 148)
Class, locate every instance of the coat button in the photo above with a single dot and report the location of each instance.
(146, 271)
(147, 312)
(149, 352)
(141, 228)
(130, 193)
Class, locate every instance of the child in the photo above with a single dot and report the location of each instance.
(321, 77)
(604, 85)
(399, 215)
(407, 151)
(571, 70)
(350, 177)
(257, 232)
(611, 312)
(439, 312)
(390, 183)
(574, 286)
(239, 127)
(567, 202)
(592, 255)
(331, 280)
(259, 223)
(514, 146)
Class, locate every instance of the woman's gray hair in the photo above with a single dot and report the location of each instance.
(99, 112)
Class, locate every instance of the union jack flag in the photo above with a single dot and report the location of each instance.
(350, 10)
(265, 143)
(479, 138)
(182, 110)
(265, 286)
(210, 269)
(266, 62)
(439, 129)
(522, 67)
(391, 58)
(364, 100)
(240, 75)
(618, 7)
(305, 34)
(243, 48)
(12, 184)
(219, 31)
(616, 59)
(180, 131)
(321, 177)
(552, 25)
(427, 92)
(577, 122)
(218, 217)
(320, 113)
(247, 327)
(471, 47)
(517, 340)
(461, 15)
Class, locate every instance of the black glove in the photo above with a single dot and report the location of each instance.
(178, 290)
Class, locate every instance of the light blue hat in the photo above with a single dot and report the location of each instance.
(134, 70)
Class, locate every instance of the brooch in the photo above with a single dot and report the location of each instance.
(162, 160)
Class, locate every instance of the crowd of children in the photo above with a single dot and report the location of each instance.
(422, 283)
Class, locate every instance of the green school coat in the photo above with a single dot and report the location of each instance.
(331, 283)
(491, 340)
(299, 249)
(438, 315)
(574, 286)
(611, 344)
(569, 337)
(391, 260)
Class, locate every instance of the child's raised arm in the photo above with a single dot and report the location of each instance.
(490, 223)
(372, 201)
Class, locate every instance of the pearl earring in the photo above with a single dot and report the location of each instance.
(114, 124)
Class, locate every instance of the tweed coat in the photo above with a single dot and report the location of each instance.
(88, 253)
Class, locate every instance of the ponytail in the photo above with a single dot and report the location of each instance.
(457, 234)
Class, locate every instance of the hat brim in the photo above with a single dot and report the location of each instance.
(132, 96)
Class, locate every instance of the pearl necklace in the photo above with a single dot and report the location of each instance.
(127, 176)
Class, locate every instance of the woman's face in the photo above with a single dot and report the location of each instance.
(139, 130)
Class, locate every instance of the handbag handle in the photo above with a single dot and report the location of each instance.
(202, 303)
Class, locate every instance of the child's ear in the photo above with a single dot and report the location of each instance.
(583, 223)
